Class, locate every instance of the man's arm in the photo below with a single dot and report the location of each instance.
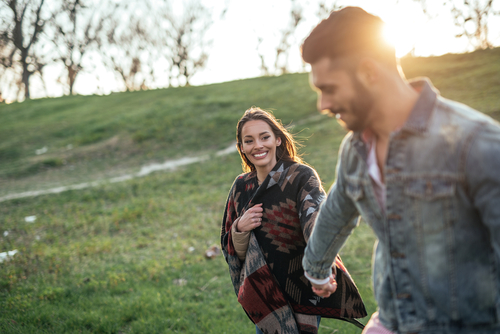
(336, 220)
(483, 178)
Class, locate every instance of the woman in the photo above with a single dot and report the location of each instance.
(269, 216)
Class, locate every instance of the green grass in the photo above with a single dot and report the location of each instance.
(129, 257)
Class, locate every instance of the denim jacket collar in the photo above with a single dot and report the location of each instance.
(419, 117)
(421, 113)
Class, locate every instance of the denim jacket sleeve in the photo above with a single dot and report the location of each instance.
(482, 172)
(336, 219)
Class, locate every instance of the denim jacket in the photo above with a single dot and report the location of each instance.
(436, 264)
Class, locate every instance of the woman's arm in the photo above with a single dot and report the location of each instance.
(235, 232)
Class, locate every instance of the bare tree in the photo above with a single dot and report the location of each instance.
(20, 32)
(263, 67)
(471, 17)
(324, 9)
(283, 49)
(286, 40)
(129, 51)
(184, 38)
(76, 31)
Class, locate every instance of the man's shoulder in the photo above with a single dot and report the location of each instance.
(463, 115)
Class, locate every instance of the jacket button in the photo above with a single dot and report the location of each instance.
(398, 255)
(428, 188)
(393, 171)
(404, 296)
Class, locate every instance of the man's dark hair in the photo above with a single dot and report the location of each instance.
(350, 31)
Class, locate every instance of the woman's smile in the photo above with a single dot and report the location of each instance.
(260, 155)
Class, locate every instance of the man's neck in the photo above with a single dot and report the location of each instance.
(394, 108)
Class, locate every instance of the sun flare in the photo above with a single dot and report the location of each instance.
(402, 37)
(403, 26)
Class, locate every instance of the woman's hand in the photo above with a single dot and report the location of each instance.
(325, 290)
(251, 219)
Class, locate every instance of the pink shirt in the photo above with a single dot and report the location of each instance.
(373, 169)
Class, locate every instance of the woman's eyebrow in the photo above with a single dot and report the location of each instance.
(260, 134)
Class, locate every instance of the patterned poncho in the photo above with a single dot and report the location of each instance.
(270, 282)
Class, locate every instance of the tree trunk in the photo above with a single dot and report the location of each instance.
(26, 75)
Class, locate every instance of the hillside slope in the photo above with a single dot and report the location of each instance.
(83, 138)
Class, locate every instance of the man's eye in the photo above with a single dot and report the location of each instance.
(328, 90)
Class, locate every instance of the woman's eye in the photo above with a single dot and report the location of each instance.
(266, 137)
(248, 141)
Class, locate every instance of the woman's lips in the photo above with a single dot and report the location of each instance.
(260, 155)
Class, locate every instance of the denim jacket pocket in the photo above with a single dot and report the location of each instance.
(430, 188)
(431, 203)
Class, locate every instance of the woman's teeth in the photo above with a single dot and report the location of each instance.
(260, 155)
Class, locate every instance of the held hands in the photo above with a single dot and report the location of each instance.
(325, 290)
(251, 219)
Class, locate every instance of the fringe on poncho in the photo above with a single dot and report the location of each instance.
(270, 282)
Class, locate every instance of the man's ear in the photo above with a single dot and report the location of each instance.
(368, 71)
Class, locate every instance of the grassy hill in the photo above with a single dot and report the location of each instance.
(99, 136)
(128, 257)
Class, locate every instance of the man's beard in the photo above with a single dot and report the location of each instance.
(359, 107)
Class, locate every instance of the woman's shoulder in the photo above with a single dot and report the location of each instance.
(305, 169)
(244, 177)
(301, 172)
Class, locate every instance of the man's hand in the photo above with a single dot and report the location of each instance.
(325, 290)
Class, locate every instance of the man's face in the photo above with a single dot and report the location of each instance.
(341, 93)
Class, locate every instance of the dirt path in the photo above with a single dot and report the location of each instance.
(145, 170)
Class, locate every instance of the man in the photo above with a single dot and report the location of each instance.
(422, 171)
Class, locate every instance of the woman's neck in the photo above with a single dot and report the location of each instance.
(262, 173)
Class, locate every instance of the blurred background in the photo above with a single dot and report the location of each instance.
(50, 48)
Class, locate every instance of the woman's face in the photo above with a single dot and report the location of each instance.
(259, 144)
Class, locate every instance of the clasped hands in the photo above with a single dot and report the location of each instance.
(325, 290)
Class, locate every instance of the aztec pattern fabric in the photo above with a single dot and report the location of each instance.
(270, 282)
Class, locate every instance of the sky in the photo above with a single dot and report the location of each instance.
(234, 52)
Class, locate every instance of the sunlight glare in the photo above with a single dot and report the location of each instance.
(403, 26)
(399, 35)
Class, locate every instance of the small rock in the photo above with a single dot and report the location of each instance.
(212, 252)
(41, 150)
(5, 256)
(180, 282)
(30, 219)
